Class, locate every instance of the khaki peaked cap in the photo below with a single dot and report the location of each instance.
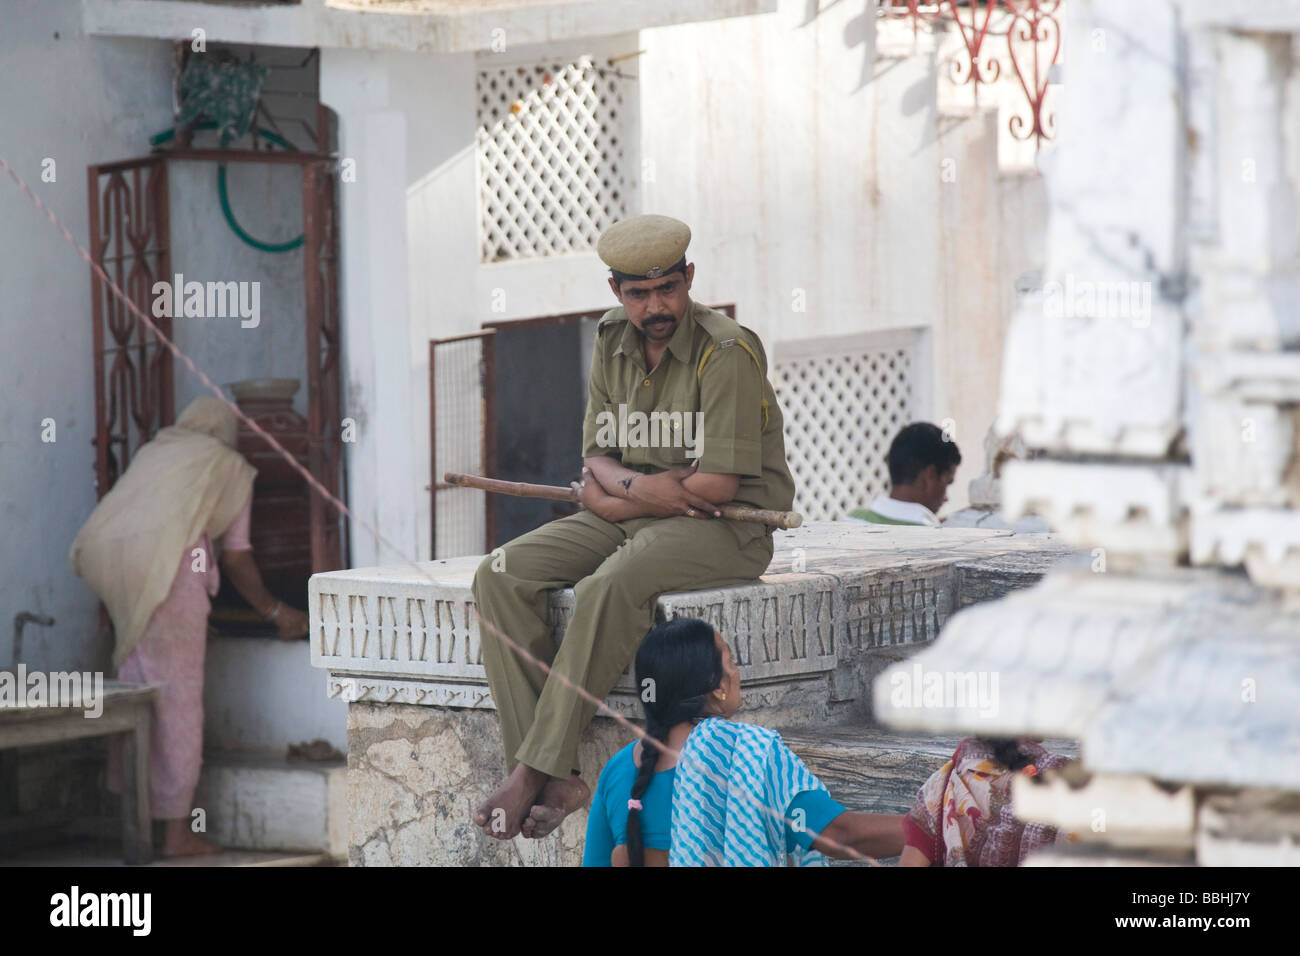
(644, 247)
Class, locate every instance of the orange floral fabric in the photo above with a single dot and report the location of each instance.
(963, 814)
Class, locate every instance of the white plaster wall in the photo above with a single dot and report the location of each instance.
(267, 203)
(804, 162)
(374, 294)
(262, 694)
(77, 100)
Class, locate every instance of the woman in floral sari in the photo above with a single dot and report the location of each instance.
(963, 814)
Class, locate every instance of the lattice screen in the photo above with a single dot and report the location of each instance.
(551, 140)
(460, 518)
(841, 412)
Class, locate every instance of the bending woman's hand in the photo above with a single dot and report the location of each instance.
(291, 623)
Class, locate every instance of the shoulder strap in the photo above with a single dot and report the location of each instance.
(727, 343)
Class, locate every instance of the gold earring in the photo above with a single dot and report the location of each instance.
(724, 695)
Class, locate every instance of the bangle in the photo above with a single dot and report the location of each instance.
(274, 611)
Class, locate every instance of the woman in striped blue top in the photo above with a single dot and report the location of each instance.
(713, 791)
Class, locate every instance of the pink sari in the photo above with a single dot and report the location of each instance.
(171, 653)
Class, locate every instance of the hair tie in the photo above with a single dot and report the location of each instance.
(633, 805)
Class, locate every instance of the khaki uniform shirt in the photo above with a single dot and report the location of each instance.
(708, 398)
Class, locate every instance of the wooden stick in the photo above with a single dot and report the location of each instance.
(523, 489)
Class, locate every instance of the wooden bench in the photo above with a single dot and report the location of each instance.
(128, 710)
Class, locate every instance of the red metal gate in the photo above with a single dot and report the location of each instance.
(324, 422)
(134, 384)
(461, 384)
(129, 239)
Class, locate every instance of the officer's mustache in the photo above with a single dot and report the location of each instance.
(654, 319)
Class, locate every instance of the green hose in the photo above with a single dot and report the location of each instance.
(224, 196)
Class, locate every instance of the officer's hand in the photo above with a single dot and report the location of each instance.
(595, 498)
(664, 495)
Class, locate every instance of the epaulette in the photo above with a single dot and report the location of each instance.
(727, 332)
(611, 318)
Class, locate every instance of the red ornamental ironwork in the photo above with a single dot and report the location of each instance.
(133, 373)
(1034, 24)
(1033, 45)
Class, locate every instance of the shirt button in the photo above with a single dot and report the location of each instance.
(646, 382)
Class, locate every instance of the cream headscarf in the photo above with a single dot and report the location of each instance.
(188, 479)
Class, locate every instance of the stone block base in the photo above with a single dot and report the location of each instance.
(416, 775)
(265, 802)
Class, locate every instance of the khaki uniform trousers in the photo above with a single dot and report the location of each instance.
(617, 570)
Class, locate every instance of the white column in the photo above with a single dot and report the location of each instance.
(375, 320)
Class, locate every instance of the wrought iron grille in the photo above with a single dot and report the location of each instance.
(461, 371)
(1026, 35)
(552, 169)
(842, 409)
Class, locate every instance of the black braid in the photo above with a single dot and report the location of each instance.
(682, 665)
(646, 772)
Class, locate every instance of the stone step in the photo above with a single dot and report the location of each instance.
(265, 802)
(874, 770)
(868, 769)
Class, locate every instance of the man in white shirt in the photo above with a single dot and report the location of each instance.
(922, 464)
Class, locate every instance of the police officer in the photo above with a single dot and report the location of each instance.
(680, 419)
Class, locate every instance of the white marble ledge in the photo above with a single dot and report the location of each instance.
(1249, 828)
(1116, 810)
(1125, 508)
(1250, 377)
(1188, 676)
(421, 26)
(410, 633)
(1266, 540)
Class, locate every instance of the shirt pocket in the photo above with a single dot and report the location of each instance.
(680, 435)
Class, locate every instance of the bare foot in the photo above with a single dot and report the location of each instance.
(559, 798)
(180, 840)
(502, 813)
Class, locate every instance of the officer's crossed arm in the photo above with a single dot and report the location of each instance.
(731, 394)
(616, 493)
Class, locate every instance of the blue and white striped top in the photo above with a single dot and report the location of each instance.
(732, 791)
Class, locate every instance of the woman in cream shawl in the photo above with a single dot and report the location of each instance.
(146, 550)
